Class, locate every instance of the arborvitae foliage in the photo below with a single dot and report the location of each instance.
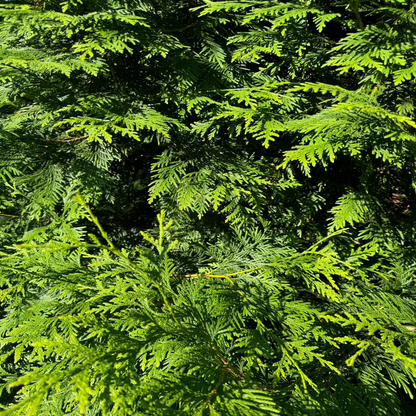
(207, 207)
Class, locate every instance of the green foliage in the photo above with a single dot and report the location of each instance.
(220, 148)
(128, 333)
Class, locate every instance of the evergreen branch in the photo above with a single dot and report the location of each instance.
(228, 365)
(76, 139)
(354, 4)
(214, 391)
(183, 29)
(9, 216)
(112, 248)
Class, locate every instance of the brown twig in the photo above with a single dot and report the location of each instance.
(182, 29)
(9, 216)
(76, 139)
(228, 365)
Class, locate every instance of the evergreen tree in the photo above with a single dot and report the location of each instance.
(207, 207)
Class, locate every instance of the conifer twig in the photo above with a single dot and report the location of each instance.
(9, 216)
(75, 139)
(228, 365)
(354, 6)
(214, 391)
(113, 249)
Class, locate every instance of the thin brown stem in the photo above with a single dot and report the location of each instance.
(227, 364)
(9, 216)
(182, 29)
(76, 139)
